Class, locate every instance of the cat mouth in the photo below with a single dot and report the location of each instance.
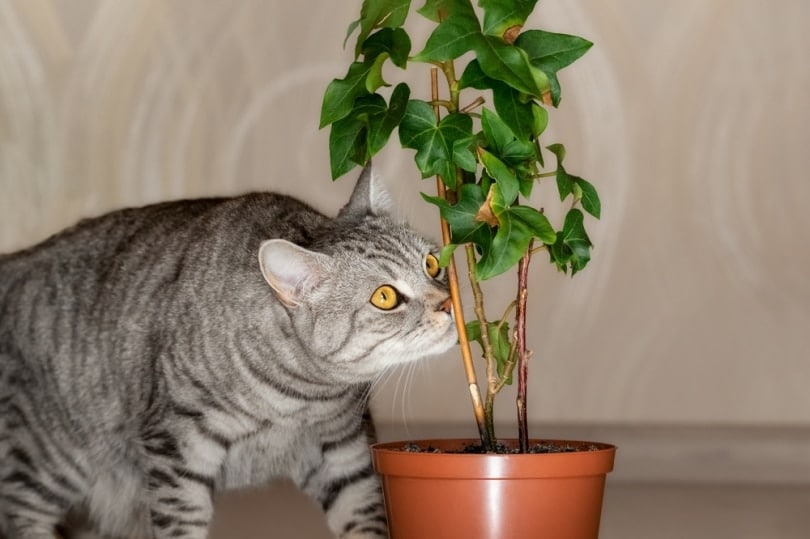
(449, 337)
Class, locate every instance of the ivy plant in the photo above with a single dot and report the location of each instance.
(482, 141)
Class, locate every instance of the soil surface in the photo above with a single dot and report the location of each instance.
(542, 446)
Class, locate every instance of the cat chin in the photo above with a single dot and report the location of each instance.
(434, 347)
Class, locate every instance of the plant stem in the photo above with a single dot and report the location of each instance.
(488, 440)
(475, 104)
(486, 344)
(446, 104)
(458, 311)
(523, 354)
(449, 69)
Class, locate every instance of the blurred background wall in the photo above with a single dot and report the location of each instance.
(690, 117)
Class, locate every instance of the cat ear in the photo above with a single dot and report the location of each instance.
(291, 271)
(369, 196)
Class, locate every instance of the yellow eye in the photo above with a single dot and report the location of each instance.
(385, 297)
(432, 266)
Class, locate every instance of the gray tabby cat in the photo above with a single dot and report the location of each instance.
(153, 356)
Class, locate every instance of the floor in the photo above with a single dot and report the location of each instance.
(669, 483)
(643, 511)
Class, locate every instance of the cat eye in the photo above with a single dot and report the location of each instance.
(386, 298)
(432, 267)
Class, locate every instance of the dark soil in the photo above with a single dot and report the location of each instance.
(542, 446)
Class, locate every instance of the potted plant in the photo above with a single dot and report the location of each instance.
(487, 156)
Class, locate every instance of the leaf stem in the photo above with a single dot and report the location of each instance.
(506, 313)
(446, 104)
(538, 249)
(449, 69)
(475, 104)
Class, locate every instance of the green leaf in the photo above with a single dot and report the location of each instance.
(474, 331)
(346, 142)
(514, 167)
(501, 173)
(463, 156)
(539, 119)
(367, 128)
(537, 222)
(526, 174)
(433, 141)
(559, 151)
(446, 254)
(501, 15)
(497, 133)
(515, 111)
(339, 97)
(518, 151)
(508, 246)
(394, 42)
(374, 79)
(499, 342)
(589, 197)
(501, 347)
(510, 64)
(379, 13)
(454, 36)
(461, 216)
(385, 121)
(565, 182)
(572, 247)
(439, 10)
(474, 77)
(348, 139)
(350, 30)
(550, 52)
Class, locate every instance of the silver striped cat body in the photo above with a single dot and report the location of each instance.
(153, 356)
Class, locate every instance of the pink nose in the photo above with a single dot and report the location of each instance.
(446, 305)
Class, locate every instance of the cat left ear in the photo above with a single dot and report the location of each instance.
(369, 195)
(291, 271)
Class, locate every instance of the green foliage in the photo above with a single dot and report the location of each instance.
(488, 158)
(499, 147)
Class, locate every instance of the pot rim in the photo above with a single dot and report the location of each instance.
(389, 459)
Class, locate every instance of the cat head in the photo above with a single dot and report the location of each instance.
(368, 294)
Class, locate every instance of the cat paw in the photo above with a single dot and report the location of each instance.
(365, 532)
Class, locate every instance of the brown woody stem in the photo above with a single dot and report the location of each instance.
(523, 354)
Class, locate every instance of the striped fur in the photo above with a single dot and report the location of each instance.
(153, 356)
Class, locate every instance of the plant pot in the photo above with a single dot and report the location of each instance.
(453, 495)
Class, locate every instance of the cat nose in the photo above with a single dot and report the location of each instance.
(446, 305)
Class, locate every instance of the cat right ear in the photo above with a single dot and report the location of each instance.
(291, 271)
(369, 195)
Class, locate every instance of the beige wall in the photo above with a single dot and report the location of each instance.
(691, 117)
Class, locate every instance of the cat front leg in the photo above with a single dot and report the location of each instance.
(349, 492)
(358, 511)
(181, 503)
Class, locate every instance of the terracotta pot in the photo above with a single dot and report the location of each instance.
(492, 496)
